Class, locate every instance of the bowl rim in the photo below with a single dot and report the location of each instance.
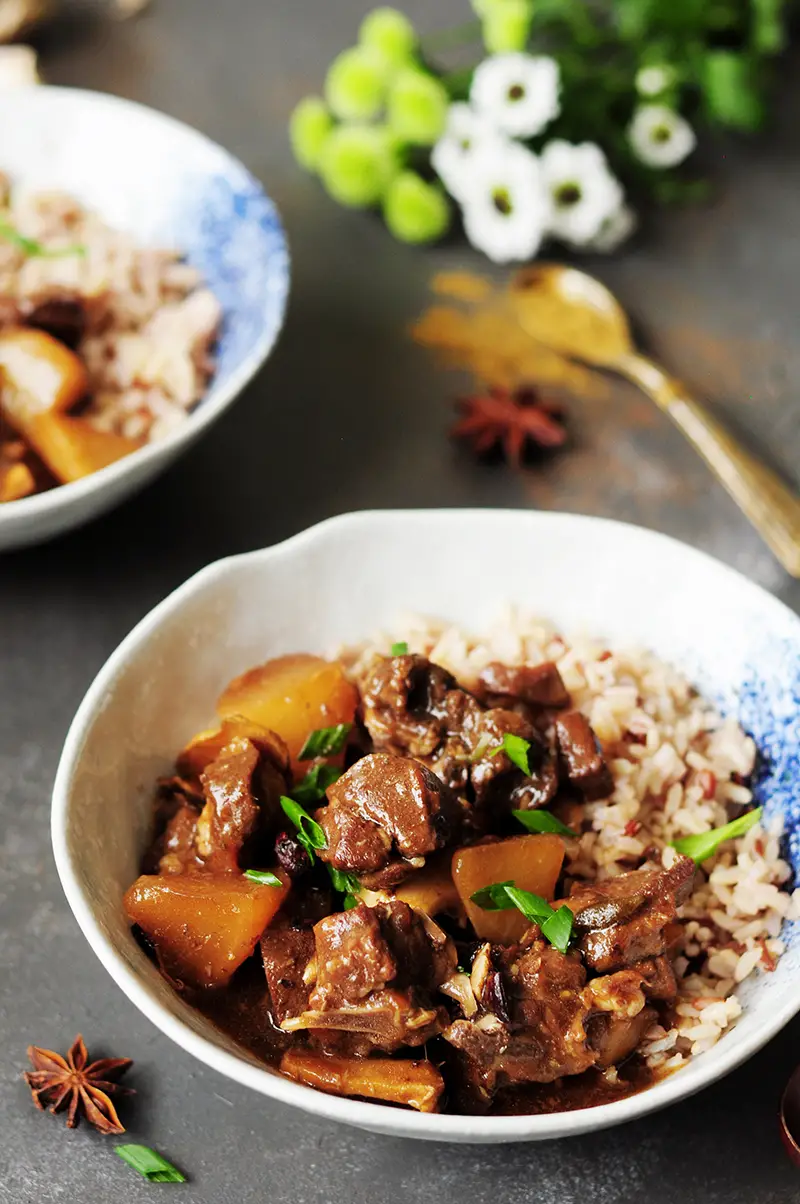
(212, 403)
(378, 1117)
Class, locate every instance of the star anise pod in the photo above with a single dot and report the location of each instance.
(74, 1083)
(514, 422)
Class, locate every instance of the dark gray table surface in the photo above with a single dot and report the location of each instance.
(350, 414)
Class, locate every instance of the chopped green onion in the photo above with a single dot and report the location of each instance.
(325, 742)
(313, 786)
(348, 884)
(36, 249)
(542, 821)
(494, 897)
(350, 901)
(309, 833)
(264, 877)
(400, 649)
(704, 844)
(556, 926)
(149, 1164)
(516, 749)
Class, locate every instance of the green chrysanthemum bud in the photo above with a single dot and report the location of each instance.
(507, 26)
(309, 127)
(390, 33)
(355, 86)
(414, 210)
(357, 164)
(416, 109)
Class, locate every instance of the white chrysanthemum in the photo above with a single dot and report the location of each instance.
(660, 137)
(452, 155)
(614, 231)
(505, 210)
(518, 93)
(582, 191)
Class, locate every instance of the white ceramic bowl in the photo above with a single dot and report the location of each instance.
(168, 186)
(338, 582)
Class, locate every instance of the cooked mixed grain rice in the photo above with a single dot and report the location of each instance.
(676, 763)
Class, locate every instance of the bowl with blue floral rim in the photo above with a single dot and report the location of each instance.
(166, 185)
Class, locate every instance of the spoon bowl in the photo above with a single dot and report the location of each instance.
(571, 312)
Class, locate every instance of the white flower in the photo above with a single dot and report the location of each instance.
(652, 81)
(660, 137)
(518, 93)
(582, 191)
(505, 210)
(614, 231)
(452, 155)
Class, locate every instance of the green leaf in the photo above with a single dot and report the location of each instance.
(542, 821)
(769, 28)
(494, 897)
(516, 749)
(36, 249)
(705, 844)
(264, 877)
(344, 882)
(309, 833)
(325, 742)
(313, 786)
(149, 1164)
(350, 901)
(533, 907)
(731, 94)
(557, 929)
(400, 649)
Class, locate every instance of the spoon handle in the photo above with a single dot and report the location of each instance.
(772, 507)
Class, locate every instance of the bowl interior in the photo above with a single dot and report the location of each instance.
(168, 186)
(340, 582)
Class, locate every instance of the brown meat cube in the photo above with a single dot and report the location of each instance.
(404, 704)
(286, 955)
(479, 1044)
(496, 778)
(581, 756)
(622, 921)
(242, 787)
(424, 955)
(172, 848)
(386, 805)
(353, 958)
(613, 1038)
(536, 685)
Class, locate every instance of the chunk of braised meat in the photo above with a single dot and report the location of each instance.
(540, 687)
(376, 969)
(242, 788)
(497, 781)
(385, 814)
(172, 847)
(614, 1038)
(623, 920)
(404, 700)
(414, 707)
(286, 954)
(581, 756)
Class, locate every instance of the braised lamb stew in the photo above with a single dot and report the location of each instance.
(363, 882)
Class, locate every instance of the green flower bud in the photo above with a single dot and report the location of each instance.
(414, 210)
(416, 109)
(507, 26)
(390, 33)
(309, 126)
(355, 86)
(357, 164)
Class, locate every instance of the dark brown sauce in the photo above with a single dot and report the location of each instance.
(241, 1011)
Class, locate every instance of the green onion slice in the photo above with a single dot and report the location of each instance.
(556, 926)
(542, 821)
(325, 742)
(516, 749)
(400, 649)
(705, 844)
(312, 788)
(263, 877)
(149, 1164)
(309, 833)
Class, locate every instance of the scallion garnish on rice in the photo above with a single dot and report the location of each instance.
(702, 845)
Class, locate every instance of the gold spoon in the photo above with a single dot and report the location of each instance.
(577, 316)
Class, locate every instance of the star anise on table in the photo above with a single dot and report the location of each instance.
(515, 422)
(74, 1083)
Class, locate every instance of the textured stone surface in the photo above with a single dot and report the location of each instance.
(350, 414)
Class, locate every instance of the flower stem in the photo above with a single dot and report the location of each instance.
(457, 82)
(447, 39)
